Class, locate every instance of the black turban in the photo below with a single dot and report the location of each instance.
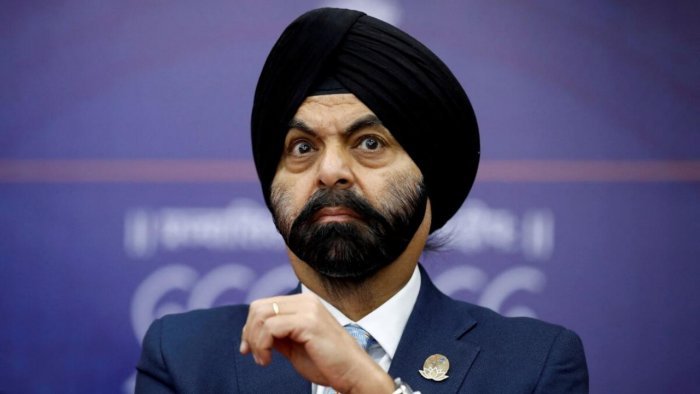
(407, 86)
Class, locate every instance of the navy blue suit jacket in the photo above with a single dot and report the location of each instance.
(197, 352)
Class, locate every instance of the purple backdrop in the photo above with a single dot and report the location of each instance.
(127, 189)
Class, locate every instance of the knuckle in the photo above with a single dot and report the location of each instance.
(255, 304)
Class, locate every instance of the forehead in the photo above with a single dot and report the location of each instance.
(331, 108)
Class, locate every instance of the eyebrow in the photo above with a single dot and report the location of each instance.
(300, 125)
(366, 121)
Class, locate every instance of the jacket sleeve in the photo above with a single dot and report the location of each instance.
(565, 370)
(152, 373)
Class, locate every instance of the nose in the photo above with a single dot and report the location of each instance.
(334, 169)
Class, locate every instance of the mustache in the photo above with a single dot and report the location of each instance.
(346, 198)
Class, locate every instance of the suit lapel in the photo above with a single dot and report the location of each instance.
(436, 326)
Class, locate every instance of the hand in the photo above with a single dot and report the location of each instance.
(313, 341)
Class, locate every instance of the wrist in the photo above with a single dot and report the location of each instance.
(402, 388)
(376, 382)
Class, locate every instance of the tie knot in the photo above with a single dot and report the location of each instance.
(361, 336)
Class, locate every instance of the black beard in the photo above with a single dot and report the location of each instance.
(351, 251)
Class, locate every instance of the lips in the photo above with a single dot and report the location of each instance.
(335, 214)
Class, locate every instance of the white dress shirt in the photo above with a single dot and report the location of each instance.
(385, 324)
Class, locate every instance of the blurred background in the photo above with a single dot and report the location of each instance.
(127, 188)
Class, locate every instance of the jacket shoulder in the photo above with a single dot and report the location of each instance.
(517, 328)
(203, 332)
(192, 349)
(542, 356)
(204, 321)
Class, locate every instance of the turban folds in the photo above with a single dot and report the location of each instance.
(408, 87)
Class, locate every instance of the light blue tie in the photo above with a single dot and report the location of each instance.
(362, 338)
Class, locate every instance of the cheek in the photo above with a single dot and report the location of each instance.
(288, 198)
(399, 188)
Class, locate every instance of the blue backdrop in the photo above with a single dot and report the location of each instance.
(127, 188)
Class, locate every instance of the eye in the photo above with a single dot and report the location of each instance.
(370, 143)
(300, 148)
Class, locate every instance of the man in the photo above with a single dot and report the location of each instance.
(364, 143)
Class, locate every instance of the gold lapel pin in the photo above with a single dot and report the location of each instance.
(435, 368)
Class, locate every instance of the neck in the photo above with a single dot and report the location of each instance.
(357, 299)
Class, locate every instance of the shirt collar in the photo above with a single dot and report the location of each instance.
(386, 323)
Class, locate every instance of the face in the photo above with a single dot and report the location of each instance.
(346, 197)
